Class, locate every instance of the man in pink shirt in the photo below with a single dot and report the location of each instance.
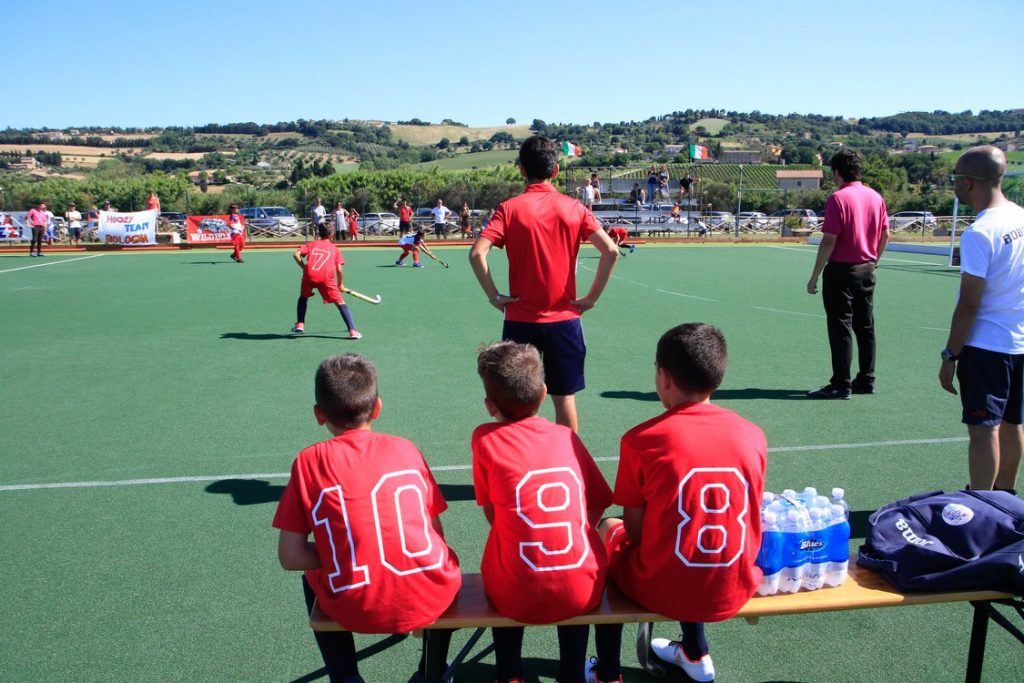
(38, 220)
(854, 235)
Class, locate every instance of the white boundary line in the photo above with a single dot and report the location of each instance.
(886, 259)
(779, 310)
(440, 468)
(52, 263)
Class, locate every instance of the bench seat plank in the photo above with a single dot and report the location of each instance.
(863, 589)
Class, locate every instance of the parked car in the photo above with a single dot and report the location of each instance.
(175, 217)
(716, 219)
(378, 223)
(904, 218)
(807, 216)
(752, 219)
(274, 219)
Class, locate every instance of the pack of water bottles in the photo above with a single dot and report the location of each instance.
(805, 541)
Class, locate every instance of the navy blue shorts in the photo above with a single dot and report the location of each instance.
(991, 386)
(562, 348)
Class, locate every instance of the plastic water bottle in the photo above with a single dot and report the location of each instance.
(769, 557)
(839, 498)
(807, 496)
(767, 499)
(794, 529)
(814, 545)
(838, 545)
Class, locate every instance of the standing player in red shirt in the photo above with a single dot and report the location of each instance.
(690, 483)
(236, 227)
(378, 562)
(541, 231)
(543, 496)
(321, 270)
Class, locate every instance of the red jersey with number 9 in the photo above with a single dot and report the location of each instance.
(543, 561)
(368, 499)
(322, 261)
(698, 470)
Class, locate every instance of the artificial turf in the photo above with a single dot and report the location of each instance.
(179, 365)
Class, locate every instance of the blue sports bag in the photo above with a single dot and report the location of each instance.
(962, 540)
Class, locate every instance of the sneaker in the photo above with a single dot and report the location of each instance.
(399, 262)
(671, 651)
(417, 265)
(632, 248)
(829, 391)
(858, 387)
(590, 673)
(298, 328)
(355, 334)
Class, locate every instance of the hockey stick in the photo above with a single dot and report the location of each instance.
(360, 295)
(431, 255)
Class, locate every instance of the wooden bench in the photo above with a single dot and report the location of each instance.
(863, 589)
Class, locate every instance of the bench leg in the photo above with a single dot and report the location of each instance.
(643, 650)
(976, 652)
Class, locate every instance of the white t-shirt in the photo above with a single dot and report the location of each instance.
(587, 193)
(319, 215)
(993, 249)
(74, 219)
(440, 213)
(407, 239)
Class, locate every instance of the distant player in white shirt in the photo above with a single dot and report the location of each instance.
(986, 337)
(440, 216)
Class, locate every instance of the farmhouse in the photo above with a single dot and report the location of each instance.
(799, 180)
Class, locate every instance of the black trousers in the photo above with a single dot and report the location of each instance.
(848, 293)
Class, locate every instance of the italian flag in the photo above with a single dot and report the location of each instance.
(698, 152)
(571, 150)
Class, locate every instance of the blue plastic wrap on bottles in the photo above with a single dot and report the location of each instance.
(769, 557)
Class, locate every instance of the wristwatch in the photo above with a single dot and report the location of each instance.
(948, 355)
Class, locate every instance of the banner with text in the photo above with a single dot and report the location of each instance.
(128, 229)
(209, 230)
(12, 226)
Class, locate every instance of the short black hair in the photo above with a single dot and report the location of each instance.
(694, 355)
(346, 389)
(538, 157)
(847, 163)
(513, 377)
(324, 231)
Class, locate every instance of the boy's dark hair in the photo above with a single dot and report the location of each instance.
(694, 355)
(513, 377)
(346, 389)
(324, 231)
(847, 163)
(538, 157)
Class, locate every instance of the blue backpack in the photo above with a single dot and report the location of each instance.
(962, 540)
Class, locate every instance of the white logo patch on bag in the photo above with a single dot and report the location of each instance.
(956, 514)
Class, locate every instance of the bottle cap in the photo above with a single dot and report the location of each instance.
(838, 493)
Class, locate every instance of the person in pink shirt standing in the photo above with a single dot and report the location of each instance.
(38, 220)
(854, 235)
(153, 202)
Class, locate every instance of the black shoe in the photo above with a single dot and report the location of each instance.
(829, 391)
(862, 387)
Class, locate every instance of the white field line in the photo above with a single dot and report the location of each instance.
(663, 291)
(885, 259)
(51, 263)
(688, 296)
(779, 310)
(937, 329)
(439, 468)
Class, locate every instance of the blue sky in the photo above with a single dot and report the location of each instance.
(188, 62)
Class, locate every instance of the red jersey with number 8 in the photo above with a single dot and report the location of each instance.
(698, 472)
(368, 499)
(543, 561)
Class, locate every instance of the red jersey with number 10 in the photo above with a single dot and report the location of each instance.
(322, 261)
(543, 561)
(368, 499)
(698, 470)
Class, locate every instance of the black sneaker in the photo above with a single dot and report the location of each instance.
(829, 391)
(862, 387)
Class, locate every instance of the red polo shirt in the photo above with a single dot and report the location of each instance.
(857, 216)
(541, 231)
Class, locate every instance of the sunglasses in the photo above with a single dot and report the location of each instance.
(954, 176)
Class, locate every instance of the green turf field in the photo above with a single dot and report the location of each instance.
(155, 403)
